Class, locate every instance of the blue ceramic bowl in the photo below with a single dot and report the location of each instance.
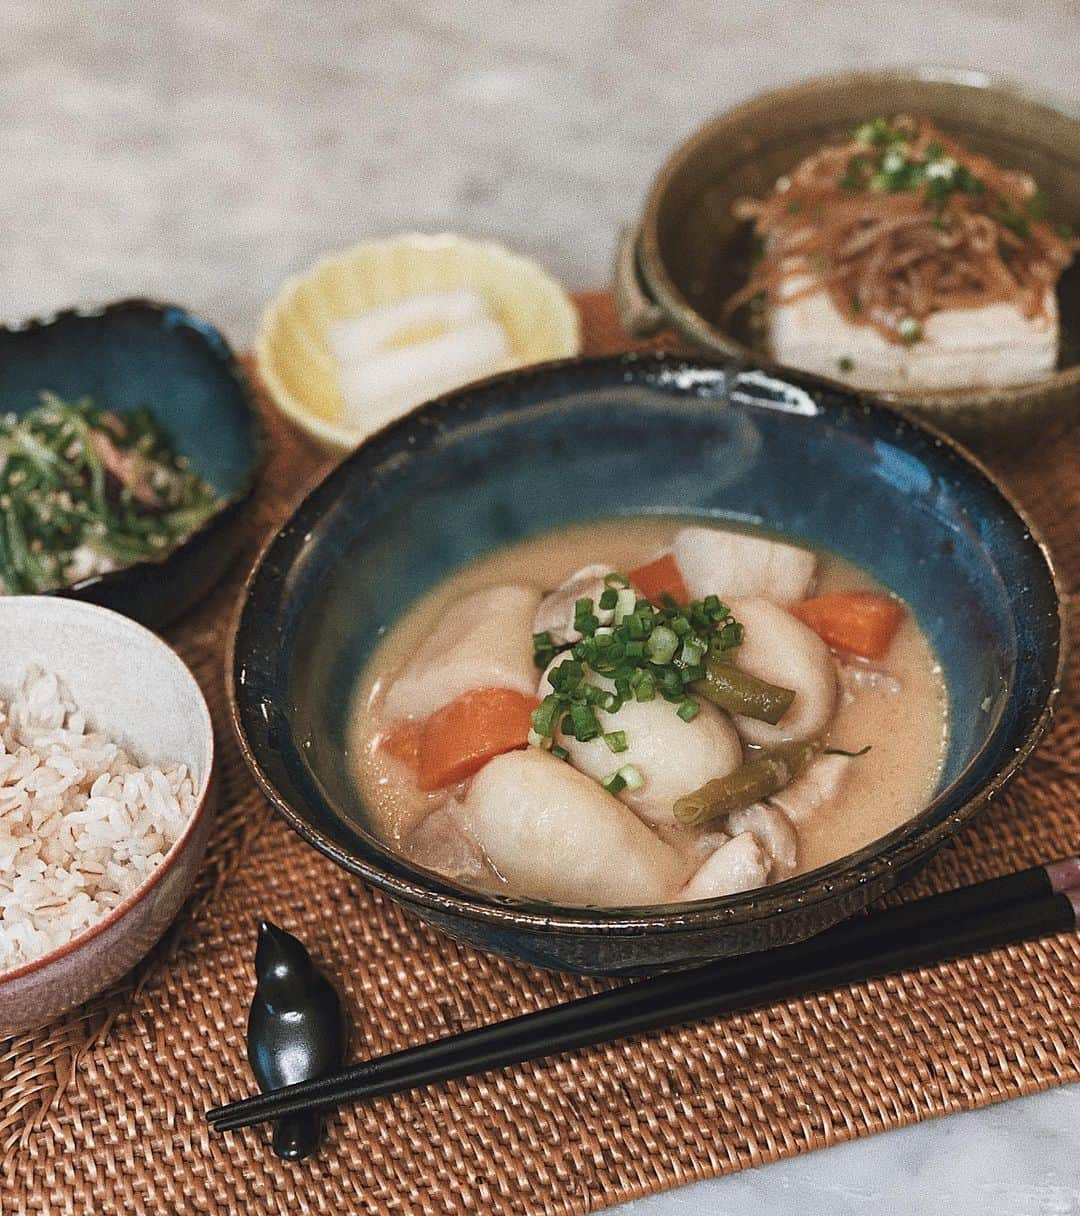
(134, 353)
(568, 442)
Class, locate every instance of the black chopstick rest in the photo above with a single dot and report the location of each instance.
(295, 1031)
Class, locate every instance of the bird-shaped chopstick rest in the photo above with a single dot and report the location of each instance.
(295, 1032)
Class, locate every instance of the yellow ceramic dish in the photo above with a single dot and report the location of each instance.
(292, 351)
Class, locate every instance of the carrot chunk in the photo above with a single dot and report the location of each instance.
(403, 741)
(464, 735)
(660, 577)
(862, 622)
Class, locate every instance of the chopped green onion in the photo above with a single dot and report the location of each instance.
(693, 651)
(625, 602)
(632, 779)
(586, 622)
(648, 650)
(543, 649)
(909, 330)
(645, 689)
(546, 714)
(614, 783)
(560, 753)
(586, 726)
(662, 644)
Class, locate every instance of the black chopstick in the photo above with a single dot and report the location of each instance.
(920, 933)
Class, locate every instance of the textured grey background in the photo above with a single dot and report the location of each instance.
(204, 150)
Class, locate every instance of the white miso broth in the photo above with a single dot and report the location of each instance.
(529, 822)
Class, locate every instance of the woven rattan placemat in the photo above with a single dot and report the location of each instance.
(102, 1112)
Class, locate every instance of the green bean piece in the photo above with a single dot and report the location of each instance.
(738, 692)
(765, 774)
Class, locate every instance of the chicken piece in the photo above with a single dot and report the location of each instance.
(553, 834)
(483, 641)
(739, 865)
(556, 612)
(673, 756)
(735, 565)
(772, 829)
(856, 678)
(782, 650)
(818, 785)
(441, 844)
(991, 345)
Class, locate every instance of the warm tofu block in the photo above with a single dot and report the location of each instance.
(484, 641)
(554, 834)
(735, 565)
(989, 346)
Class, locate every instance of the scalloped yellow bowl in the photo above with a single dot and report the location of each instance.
(292, 350)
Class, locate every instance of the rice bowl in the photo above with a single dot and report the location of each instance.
(106, 759)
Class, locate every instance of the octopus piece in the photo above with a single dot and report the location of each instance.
(820, 784)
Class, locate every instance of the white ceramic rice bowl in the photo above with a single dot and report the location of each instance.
(138, 691)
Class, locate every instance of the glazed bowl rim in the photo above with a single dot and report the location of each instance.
(202, 795)
(912, 841)
(694, 325)
(209, 334)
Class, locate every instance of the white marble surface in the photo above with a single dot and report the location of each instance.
(205, 150)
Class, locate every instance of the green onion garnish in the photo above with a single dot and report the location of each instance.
(586, 726)
(632, 779)
(662, 644)
(648, 651)
(909, 330)
(614, 783)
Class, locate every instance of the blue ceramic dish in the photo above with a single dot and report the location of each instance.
(134, 353)
(568, 442)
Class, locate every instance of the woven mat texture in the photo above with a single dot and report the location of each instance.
(102, 1112)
